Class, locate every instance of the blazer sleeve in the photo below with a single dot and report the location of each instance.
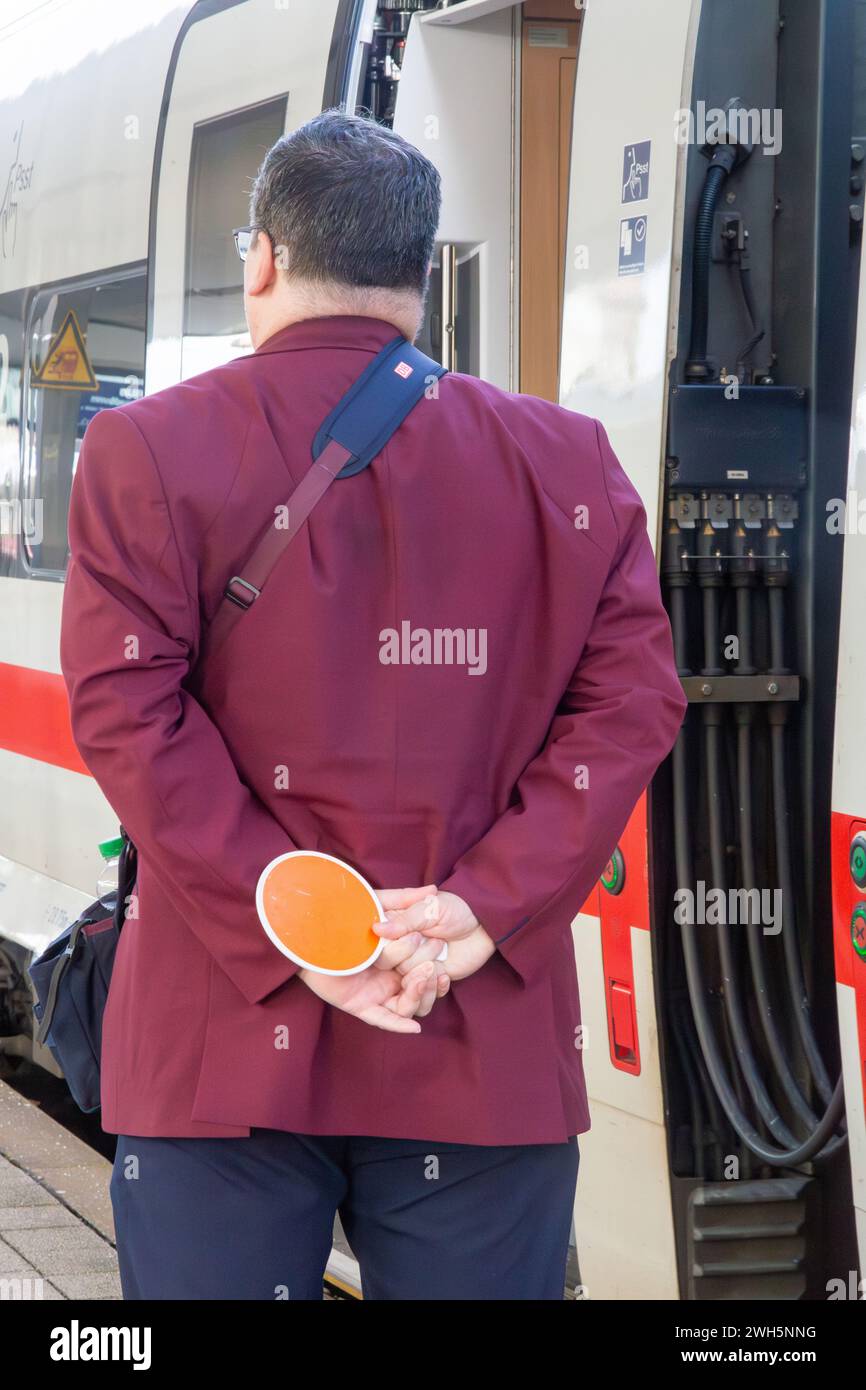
(616, 722)
(129, 634)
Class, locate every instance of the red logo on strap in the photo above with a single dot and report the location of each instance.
(403, 369)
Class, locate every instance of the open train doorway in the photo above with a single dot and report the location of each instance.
(549, 39)
(488, 91)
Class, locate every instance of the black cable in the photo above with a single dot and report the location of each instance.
(699, 1164)
(776, 603)
(757, 332)
(748, 297)
(731, 995)
(790, 944)
(744, 665)
(718, 1123)
(696, 366)
(732, 998)
(678, 625)
(776, 576)
(775, 1042)
(775, 1157)
(711, 665)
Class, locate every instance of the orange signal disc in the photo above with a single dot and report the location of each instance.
(319, 912)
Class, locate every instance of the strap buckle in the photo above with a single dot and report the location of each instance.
(240, 599)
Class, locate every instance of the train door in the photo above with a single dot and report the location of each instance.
(487, 90)
(456, 101)
(278, 65)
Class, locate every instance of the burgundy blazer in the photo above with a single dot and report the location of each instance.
(504, 775)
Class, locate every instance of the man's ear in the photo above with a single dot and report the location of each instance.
(261, 269)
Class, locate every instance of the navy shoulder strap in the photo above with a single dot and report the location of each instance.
(377, 404)
(357, 429)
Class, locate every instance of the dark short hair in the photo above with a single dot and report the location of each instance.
(351, 202)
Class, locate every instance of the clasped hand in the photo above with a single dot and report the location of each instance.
(407, 979)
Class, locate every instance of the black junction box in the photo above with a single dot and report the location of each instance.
(738, 438)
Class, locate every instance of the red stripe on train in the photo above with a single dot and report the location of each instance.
(34, 717)
(619, 912)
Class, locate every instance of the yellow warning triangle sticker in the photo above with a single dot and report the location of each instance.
(66, 366)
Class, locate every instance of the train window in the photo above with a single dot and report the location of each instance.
(11, 354)
(226, 154)
(86, 353)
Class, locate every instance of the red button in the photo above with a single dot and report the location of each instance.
(623, 1019)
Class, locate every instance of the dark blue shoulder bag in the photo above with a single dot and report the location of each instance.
(71, 978)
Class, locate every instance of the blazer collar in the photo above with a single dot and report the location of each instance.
(338, 331)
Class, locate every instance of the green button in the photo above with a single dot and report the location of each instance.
(613, 876)
(110, 849)
(858, 930)
(858, 860)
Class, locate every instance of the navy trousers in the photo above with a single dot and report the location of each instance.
(252, 1218)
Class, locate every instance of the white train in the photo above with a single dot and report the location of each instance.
(651, 214)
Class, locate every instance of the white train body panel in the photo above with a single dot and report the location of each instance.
(87, 127)
(289, 45)
(616, 349)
